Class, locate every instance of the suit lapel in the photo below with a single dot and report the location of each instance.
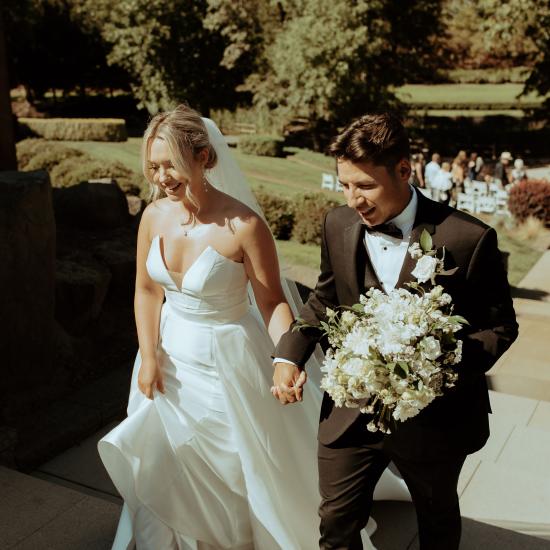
(356, 258)
(423, 220)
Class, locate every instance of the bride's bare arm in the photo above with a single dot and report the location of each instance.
(147, 305)
(262, 266)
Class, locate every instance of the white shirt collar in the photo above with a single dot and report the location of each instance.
(405, 220)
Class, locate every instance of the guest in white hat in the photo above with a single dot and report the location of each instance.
(501, 166)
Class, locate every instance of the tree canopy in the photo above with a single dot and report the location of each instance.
(326, 60)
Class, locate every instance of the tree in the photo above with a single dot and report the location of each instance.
(492, 33)
(331, 59)
(48, 48)
(167, 51)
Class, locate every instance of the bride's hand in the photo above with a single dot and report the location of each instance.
(150, 377)
(288, 382)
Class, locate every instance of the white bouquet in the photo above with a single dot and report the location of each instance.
(393, 354)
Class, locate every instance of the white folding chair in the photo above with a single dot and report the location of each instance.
(501, 201)
(468, 187)
(465, 202)
(486, 205)
(494, 188)
(479, 188)
(327, 182)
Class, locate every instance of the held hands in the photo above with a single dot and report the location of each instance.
(288, 383)
(150, 378)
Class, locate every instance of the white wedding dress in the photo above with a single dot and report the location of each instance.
(216, 462)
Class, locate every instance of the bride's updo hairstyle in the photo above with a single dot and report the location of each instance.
(186, 136)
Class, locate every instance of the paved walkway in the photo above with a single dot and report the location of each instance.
(525, 368)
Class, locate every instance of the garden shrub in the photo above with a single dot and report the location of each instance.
(76, 129)
(27, 149)
(279, 214)
(52, 155)
(309, 211)
(530, 198)
(72, 171)
(261, 145)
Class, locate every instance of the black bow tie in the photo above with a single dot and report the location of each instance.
(389, 229)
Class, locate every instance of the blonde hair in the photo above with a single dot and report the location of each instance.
(186, 136)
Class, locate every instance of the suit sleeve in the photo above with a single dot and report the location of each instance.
(298, 345)
(495, 328)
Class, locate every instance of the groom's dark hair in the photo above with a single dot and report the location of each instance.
(377, 138)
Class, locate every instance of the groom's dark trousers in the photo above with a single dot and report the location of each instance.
(428, 449)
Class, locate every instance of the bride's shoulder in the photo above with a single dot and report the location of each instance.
(156, 209)
(153, 214)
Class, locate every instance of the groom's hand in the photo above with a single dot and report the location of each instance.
(288, 383)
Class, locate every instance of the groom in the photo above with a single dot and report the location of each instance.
(365, 245)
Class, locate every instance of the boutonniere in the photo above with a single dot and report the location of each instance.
(430, 262)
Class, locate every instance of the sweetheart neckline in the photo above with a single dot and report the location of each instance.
(193, 263)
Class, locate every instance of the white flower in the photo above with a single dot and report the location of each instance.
(425, 268)
(430, 348)
(415, 251)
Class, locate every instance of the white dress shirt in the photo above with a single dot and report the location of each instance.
(386, 253)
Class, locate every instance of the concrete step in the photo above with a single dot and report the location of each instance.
(36, 514)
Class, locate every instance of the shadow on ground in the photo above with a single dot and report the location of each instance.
(475, 535)
(528, 293)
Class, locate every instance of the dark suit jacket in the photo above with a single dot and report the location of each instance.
(457, 422)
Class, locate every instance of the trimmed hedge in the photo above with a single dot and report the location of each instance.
(279, 214)
(73, 171)
(76, 129)
(28, 149)
(68, 166)
(51, 157)
(309, 211)
(261, 145)
(299, 218)
(530, 198)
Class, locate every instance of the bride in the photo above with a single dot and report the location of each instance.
(207, 459)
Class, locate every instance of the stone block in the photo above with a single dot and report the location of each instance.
(95, 205)
(52, 430)
(27, 249)
(81, 284)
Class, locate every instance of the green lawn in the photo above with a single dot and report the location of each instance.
(293, 253)
(299, 172)
(464, 93)
(470, 113)
(522, 257)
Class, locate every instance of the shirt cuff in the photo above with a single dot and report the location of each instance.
(281, 360)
